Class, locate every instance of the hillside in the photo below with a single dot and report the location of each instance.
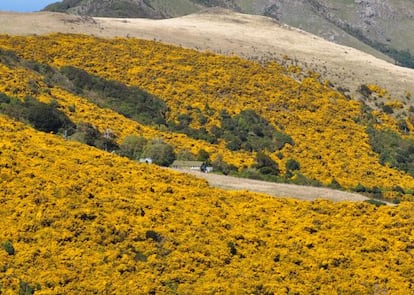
(347, 69)
(208, 97)
(80, 215)
(374, 27)
(79, 220)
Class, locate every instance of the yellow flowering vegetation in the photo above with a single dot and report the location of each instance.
(17, 81)
(78, 220)
(330, 141)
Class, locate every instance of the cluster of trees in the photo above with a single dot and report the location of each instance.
(393, 149)
(49, 118)
(42, 116)
(131, 102)
(249, 131)
(136, 147)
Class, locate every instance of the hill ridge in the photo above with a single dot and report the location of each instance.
(343, 66)
(367, 25)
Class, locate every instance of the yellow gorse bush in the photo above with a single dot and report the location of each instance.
(84, 221)
(330, 144)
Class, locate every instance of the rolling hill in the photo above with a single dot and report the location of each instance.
(79, 220)
(208, 97)
(378, 28)
(80, 215)
(347, 69)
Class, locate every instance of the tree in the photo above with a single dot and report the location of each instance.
(220, 165)
(203, 155)
(160, 152)
(292, 165)
(266, 165)
(185, 155)
(132, 146)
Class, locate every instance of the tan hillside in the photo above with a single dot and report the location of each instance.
(232, 33)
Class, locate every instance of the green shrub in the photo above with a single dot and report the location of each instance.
(44, 117)
(4, 98)
(265, 164)
(220, 165)
(131, 102)
(292, 165)
(203, 155)
(86, 133)
(8, 247)
(387, 109)
(375, 202)
(335, 184)
(132, 146)
(140, 257)
(303, 180)
(360, 188)
(160, 152)
(364, 90)
(156, 237)
(393, 149)
(25, 288)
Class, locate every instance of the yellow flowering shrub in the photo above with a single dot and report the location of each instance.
(381, 92)
(329, 143)
(84, 221)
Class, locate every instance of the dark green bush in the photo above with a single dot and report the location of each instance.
(131, 102)
(364, 90)
(303, 180)
(375, 202)
(8, 247)
(160, 152)
(292, 165)
(360, 188)
(387, 109)
(132, 147)
(42, 116)
(265, 165)
(393, 150)
(156, 237)
(140, 257)
(4, 98)
(249, 131)
(86, 133)
(25, 288)
(220, 165)
(335, 184)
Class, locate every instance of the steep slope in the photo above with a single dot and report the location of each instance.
(375, 27)
(318, 127)
(79, 220)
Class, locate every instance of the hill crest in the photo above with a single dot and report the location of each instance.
(246, 35)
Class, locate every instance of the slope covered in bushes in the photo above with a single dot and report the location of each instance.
(326, 132)
(78, 220)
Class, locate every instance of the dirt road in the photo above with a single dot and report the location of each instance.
(299, 192)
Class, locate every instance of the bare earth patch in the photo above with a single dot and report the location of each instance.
(306, 193)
